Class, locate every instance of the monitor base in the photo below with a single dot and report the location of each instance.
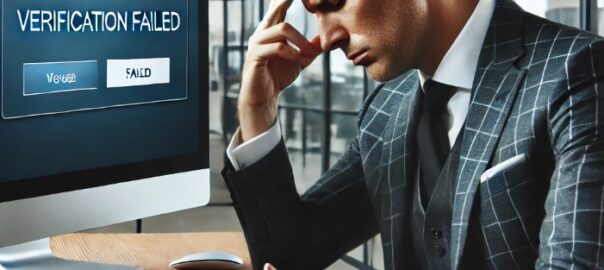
(37, 255)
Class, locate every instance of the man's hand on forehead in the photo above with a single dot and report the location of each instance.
(276, 55)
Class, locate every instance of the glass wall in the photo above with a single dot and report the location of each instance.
(562, 11)
(583, 14)
(601, 17)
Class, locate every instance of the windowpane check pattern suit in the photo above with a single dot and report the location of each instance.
(529, 191)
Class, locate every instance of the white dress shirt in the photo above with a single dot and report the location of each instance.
(457, 68)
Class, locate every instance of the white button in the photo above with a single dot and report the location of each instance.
(137, 72)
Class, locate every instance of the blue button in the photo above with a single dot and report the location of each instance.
(48, 78)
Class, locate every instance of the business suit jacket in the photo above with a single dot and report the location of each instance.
(538, 94)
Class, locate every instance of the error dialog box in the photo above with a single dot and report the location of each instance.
(69, 56)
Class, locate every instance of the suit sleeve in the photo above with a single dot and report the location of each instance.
(572, 235)
(301, 232)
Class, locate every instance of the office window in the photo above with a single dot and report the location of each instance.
(562, 11)
(348, 88)
(601, 17)
(583, 14)
(565, 11)
(215, 40)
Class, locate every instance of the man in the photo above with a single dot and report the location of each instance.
(483, 149)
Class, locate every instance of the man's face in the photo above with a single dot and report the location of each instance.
(382, 35)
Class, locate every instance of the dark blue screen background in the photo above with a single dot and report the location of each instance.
(69, 142)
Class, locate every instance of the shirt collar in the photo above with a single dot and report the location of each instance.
(458, 66)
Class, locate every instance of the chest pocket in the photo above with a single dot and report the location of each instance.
(504, 176)
(510, 214)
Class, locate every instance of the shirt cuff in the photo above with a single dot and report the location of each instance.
(250, 152)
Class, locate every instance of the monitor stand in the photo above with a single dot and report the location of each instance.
(37, 255)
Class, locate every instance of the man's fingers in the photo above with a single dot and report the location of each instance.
(285, 32)
(275, 14)
(281, 50)
(316, 40)
(279, 11)
(268, 266)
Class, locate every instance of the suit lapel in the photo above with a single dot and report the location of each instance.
(494, 91)
(398, 164)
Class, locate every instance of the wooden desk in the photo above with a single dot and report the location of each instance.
(152, 251)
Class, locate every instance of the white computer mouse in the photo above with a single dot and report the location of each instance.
(208, 260)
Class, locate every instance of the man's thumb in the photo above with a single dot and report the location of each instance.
(268, 266)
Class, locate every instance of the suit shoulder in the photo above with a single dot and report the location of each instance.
(563, 61)
(541, 34)
(388, 91)
(557, 49)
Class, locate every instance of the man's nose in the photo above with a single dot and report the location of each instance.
(333, 35)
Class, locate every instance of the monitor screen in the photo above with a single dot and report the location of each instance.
(100, 92)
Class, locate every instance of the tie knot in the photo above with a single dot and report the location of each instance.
(436, 96)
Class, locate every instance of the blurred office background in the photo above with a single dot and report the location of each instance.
(317, 113)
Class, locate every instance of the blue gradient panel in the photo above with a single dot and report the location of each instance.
(48, 134)
(31, 37)
(48, 78)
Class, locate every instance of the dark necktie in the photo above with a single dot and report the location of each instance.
(432, 138)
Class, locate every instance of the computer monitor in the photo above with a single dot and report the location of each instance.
(104, 115)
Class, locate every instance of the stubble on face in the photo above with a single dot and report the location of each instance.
(394, 30)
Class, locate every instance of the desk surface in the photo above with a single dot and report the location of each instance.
(152, 251)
